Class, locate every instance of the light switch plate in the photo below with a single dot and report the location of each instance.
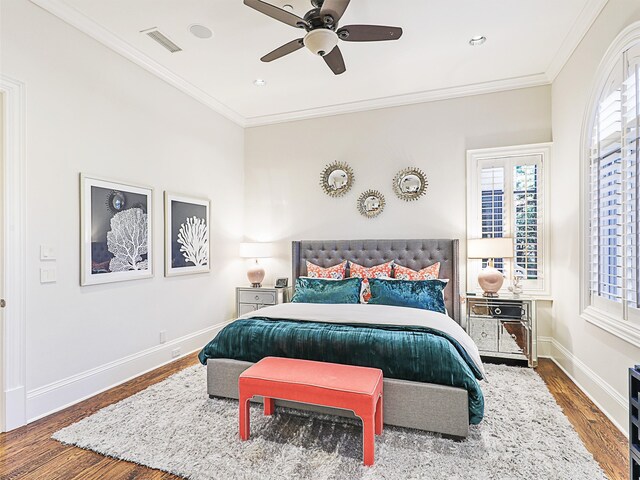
(48, 274)
(47, 252)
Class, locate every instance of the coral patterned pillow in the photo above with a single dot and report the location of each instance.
(429, 273)
(336, 272)
(378, 271)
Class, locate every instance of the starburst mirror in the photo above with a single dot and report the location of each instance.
(371, 203)
(336, 179)
(410, 184)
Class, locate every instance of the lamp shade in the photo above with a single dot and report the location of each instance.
(256, 250)
(490, 248)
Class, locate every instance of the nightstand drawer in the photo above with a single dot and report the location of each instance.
(484, 331)
(264, 298)
(513, 338)
(247, 308)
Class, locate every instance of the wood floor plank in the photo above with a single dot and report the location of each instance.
(29, 452)
(608, 445)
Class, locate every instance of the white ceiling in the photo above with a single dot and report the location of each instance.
(528, 42)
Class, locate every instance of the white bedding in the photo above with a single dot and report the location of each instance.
(372, 314)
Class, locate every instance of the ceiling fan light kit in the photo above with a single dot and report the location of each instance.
(321, 24)
(321, 41)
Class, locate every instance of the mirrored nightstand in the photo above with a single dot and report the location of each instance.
(504, 327)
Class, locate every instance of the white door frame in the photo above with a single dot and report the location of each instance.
(15, 219)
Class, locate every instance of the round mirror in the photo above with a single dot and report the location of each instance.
(116, 201)
(336, 179)
(410, 184)
(371, 203)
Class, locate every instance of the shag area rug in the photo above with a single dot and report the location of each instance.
(174, 426)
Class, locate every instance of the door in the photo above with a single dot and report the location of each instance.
(2, 301)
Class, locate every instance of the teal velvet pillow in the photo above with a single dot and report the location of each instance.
(321, 290)
(425, 294)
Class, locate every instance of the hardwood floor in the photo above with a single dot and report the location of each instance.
(607, 444)
(30, 453)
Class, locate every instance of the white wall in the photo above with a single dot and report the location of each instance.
(90, 110)
(595, 358)
(283, 162)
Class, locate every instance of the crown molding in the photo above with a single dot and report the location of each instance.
(400, 100)
(70, 15)
(83, 23)
(579, 29)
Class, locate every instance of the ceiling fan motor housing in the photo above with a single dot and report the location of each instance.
(321, 41)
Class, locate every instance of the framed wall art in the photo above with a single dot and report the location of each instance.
(116, 226)
(186, 225)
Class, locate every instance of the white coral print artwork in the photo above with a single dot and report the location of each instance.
(193, 237)
(127, 240)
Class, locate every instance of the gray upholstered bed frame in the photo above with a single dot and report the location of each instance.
(424, 406)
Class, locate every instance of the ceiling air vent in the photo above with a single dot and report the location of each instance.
(162, 39)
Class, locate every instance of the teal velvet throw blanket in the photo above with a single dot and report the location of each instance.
(407, 353)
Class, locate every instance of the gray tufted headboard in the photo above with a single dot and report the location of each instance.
(415, 254)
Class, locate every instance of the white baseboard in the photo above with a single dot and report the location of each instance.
(63, 393)
(544, 347)
(613, 404)
(15, 415)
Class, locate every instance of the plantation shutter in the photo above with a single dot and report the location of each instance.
(614, 200)
(511, 206)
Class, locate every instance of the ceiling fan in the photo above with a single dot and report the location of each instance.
(321, 24)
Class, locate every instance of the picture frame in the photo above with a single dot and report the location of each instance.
(187, 230)
(116, 231)
(282, 282)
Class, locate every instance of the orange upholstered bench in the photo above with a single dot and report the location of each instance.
(328, 384)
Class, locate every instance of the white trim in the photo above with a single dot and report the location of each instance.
(83, 23)
(48, 399)
(400, 100)
(476, 155)
(15, 218)
(583, 23)
(624, 330)
(610, 402)
(544, 347)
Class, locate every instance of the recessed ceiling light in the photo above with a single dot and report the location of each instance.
(200, 31)
(259, 82)
(288, 6)
(479, 40)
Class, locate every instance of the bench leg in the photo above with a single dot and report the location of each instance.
(379, 418)
(368, 439)
(244, 417)
(269, 406)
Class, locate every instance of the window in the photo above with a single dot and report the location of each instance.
(613, 192)
(506, 198)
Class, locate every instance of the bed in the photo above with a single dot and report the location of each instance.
(410, 401)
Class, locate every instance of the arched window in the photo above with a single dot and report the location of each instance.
(612, 220)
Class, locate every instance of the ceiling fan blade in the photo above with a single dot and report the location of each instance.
(335, 61)
(369, 33)
(335, 8)
(285, 49)
(277, 13)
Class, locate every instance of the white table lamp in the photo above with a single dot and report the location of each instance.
(490, 279)
(256, 250)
